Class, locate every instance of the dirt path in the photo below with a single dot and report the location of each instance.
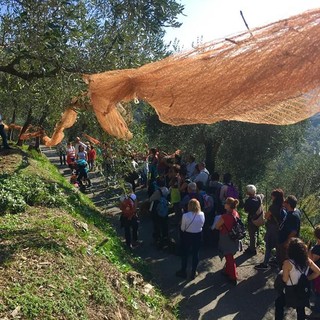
(209, 296)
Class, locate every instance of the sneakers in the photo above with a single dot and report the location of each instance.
(181, 274)
(262, 266)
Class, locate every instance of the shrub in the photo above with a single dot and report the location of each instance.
(18, 191)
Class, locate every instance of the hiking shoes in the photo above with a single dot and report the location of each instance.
(261, 266)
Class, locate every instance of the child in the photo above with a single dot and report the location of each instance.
(314, 255)
(129, 218)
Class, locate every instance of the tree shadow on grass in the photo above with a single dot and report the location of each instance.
(13, 241)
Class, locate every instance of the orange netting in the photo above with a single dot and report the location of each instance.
(269, 75)
(30, 135)
(12, 126)
(91, 139)
(68, 119)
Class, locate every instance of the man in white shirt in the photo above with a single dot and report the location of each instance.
(79, 143)
(203, 176)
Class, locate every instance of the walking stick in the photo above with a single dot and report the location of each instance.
(308, 218)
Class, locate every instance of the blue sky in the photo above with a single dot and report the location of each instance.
(215, 19)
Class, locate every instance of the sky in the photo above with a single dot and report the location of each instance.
(216, 19)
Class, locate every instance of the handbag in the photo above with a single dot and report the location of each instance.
(259, 219)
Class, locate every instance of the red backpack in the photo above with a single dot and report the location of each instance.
(127, 207)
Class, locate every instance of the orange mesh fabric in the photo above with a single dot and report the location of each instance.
(68, 119)
(271, 77)
(91, 139)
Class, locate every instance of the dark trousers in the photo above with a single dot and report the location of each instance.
(160, 227)
(190, 242)
(3, 136)
(280, 304)
(253, 230)
(130, 230)
(62, 159)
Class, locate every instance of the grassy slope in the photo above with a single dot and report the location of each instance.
(65, 262)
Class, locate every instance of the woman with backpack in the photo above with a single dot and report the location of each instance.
(159, 208)
(129, 218)
(191, 229)
(228, 189)
(228, 246)
(294, 271)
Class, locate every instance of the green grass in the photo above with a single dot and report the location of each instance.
(52, 268)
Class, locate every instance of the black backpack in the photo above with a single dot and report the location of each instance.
(298, 295)
(238, 230)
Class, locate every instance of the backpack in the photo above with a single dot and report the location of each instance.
(127, 207)
(232, 192)
(207, 203)
(238, 230)
(162, 207)
(298, 295)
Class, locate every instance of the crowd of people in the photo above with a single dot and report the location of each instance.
(80, 157)
(205, 212)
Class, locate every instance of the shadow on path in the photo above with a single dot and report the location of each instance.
(210, 296)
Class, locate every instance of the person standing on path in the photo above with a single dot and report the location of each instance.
(191, 229)
(3, 135)
(61, 148)
(251, 206)
(129, 218)
(228, 246)
(289, 227)
(273, 216)
(297, 264)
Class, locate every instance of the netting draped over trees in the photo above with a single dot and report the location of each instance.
(269, 75)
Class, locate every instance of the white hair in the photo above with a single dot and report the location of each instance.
(251, 189)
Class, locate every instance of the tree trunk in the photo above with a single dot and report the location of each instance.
(13, 120)
(25, 126)
(40, 124)
(211, 150)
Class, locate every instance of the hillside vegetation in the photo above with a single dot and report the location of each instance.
(59, 258)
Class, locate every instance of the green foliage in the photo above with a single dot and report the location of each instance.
(18, 191)
(59, 269)
(47, 47)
